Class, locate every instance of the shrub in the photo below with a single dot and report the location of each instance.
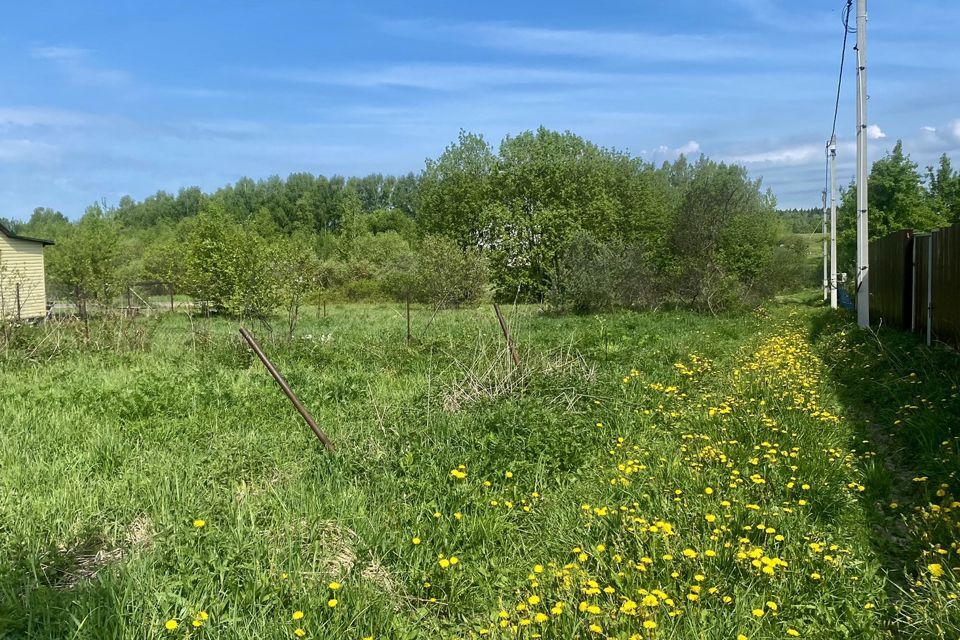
(446, 275)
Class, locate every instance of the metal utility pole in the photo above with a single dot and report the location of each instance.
(823, 234)
(863, 240)
(833, 222)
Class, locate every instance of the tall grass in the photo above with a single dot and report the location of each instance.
(567, 470)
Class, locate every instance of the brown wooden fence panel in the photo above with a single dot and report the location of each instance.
(946, 285)
(891, 287)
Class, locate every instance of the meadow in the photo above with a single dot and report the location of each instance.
(664, 475)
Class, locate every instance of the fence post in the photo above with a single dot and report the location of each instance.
(913, 285)
(930, 289)
(19, 304)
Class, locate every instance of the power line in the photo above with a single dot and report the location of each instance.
(843, 54)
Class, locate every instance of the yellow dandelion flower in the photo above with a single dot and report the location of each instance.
(171, 624)
(332, 602)
(199, 523)
(298, 615)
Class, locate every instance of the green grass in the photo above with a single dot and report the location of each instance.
(592, 463)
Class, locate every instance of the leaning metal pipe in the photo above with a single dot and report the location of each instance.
(286, 389)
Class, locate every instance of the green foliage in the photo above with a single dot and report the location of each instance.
(227, 267)
(723, 237)
(801, 220)
(596, 276)
(699, 234)
(445, 275)
(455, 189)
(943, 185)
(297, 270)
(896, 200)
(85, 262)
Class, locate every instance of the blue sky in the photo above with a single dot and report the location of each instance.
(101, 99)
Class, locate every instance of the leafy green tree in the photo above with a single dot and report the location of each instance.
(897, 200)
(84, 263)
(297, 270)
(228, 267)
(944, 190)
(455, 189)
(45, 223)
(723, 237)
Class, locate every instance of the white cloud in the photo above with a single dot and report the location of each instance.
(663, 152)
(790, 156)
(76, 65)
(42, 117)
(19, 151)
(874, 132)
(584, 42)
(446, 77)
(796, 155)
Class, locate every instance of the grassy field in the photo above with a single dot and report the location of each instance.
(773, 474)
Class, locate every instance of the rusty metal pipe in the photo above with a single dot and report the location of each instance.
(286, 389)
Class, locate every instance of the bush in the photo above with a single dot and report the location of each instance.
(594, 276)
(228, 267)
(447, 276)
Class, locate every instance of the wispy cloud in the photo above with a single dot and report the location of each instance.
(445, 77)
(874, 132)
(938, 139)
(26, 151)
(43, 117)
(78, 67)
(773, 14)
(583, 43)
(794, 155)
(664, 152)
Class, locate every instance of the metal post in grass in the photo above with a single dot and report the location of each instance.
(409, 336)
(286, 389)
(506, 335)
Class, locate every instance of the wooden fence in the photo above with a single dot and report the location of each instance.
(915, 283)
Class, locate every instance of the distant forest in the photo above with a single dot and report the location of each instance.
(545, 216)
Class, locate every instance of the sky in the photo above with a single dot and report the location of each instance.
(101, 99)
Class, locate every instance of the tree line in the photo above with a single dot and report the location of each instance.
(544, 216)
